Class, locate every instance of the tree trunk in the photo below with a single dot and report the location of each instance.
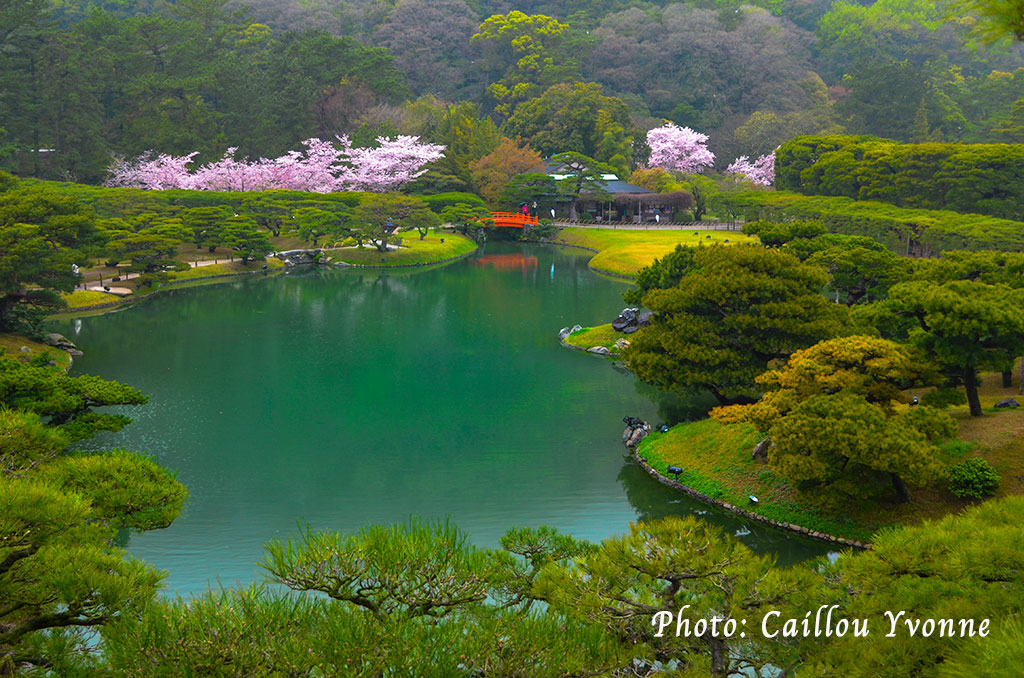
(900, 487)
(719, 657)
(1008, 377)
(971, 388)
(1020, 377)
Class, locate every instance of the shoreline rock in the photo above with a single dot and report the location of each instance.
(636, 430)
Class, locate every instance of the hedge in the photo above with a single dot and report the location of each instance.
(967, 178)
(907, 231)
(121, 202)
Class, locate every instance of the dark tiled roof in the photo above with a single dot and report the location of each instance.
(623, 187)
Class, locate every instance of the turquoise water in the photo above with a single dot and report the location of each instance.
(344, 398)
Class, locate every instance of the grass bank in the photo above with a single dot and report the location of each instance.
(717, 462)
(436, 247)
(623, 253)
(12, 343)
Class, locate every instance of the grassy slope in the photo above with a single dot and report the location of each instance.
(625, 252)
(718, 463)
(413, 252)
(12, 344)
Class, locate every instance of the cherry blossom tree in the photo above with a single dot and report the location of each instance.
(760, 171)
(679, 148)
(322, 167)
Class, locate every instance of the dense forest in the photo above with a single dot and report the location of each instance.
(85, 81)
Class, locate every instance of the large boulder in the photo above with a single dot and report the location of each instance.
(300, 257)
(760, 452)
(566, 331)
(54, 339)
(63, 343)
(626, 319)
(598, 350)
(636, 430)
(1009, 402)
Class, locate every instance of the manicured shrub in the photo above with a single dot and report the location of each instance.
(439, 201)
(973, 479)
(903, 230)
(967, 178)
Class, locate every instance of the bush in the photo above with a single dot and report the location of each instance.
(973, 479)
(439, 201)
(542, 231)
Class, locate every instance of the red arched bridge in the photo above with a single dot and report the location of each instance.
(513, 219)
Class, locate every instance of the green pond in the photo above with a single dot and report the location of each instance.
(341, 398)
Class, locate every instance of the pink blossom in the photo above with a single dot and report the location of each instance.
(322, 167)
(679, 148)
(761, 171)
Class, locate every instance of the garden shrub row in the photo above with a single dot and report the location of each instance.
(969, 178)
(126, 202)
(109, 202)
(918, 232)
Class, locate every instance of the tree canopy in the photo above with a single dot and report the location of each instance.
(734, 310)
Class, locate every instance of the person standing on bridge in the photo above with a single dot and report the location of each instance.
(533, 209)
(525, 209)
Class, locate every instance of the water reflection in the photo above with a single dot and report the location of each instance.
(341, 398)
(653, 501)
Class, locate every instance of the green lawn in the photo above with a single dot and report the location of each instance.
(413, 252)
(625, 252)
(602, 335)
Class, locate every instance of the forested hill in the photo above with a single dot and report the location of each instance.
(82, 81)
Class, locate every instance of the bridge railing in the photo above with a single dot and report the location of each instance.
(514, 217)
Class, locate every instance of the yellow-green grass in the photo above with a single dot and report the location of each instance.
(87, 298)
(718, 462)
(12, 343)
(226, 268)
(414, 252)
(623, 252)
(602, 335)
